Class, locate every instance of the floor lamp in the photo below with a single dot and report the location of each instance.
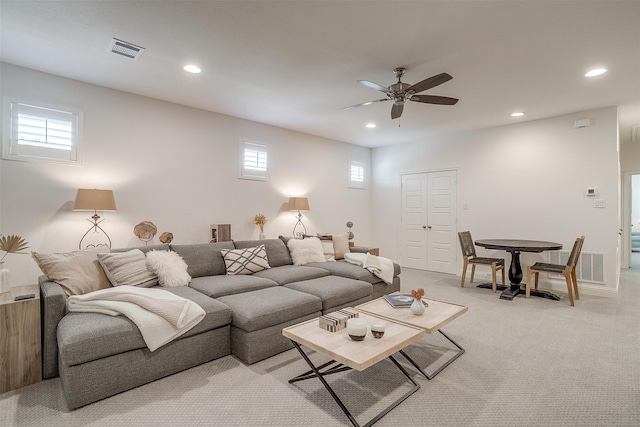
(94, 200)
(298, 204)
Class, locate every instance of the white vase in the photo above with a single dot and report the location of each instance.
(5, 286)
(263, 236)
(417, 307)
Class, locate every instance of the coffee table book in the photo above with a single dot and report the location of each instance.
(401, 300)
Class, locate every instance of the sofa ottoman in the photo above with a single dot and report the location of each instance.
(335, 292)
(259, 317)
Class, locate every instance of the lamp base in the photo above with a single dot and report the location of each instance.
(95, 227)
(299, 234)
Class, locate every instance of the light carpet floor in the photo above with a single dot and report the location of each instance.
(530, 362)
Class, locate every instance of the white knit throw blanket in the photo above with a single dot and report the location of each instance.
(160, 315)
(381, 267)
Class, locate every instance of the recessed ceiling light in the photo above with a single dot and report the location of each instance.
(517, 114)
(193, 69)
(371, 125)
(596, 72)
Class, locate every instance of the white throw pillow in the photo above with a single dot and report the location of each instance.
(304, 251)
(169, 267)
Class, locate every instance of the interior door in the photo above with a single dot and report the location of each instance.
(429, 221)
(414, 220)
(441, 221)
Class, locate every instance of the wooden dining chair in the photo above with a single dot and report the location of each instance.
(568, 271)
(469, 257)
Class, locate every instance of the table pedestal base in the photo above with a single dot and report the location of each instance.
(509, 293)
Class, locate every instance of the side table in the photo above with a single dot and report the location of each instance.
(20, 354)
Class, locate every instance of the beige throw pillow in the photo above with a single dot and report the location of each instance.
(340, 244)
(128, 268)
(77, 272)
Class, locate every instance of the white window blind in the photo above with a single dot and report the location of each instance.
(254, 161)
(356, 174)
(42, 134)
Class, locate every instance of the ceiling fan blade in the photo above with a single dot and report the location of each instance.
(364, 103)
(431, 99)
(429, 83)
(396, 111)
(375, 86)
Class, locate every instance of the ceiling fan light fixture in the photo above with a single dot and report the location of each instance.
(596, 72)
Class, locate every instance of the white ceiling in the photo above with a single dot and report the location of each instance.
(295, 64)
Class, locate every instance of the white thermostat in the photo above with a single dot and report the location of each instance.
(591, 192)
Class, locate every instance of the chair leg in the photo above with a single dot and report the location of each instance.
(527, 287)
(537, 276)
(503, 274)
(473, 271)
(575, 284)
(567, 276)
(493, 277)
(464, 272)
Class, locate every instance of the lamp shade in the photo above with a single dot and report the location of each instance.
(298, 204)
(94, 200)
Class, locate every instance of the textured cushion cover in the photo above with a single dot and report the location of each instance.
(128, 268)
(170, 268)
(77, 272)
(304, 251)
(340, 244)
(245, 261)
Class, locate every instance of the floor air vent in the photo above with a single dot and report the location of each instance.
(590, 266)
(125, 49)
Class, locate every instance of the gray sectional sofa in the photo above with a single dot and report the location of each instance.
(97, 356)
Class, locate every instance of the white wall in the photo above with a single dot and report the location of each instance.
(522, 181)
(172, 165)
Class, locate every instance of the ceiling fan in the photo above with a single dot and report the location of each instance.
(401, 92)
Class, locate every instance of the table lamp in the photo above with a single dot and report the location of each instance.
(298, 204)
(94, 200)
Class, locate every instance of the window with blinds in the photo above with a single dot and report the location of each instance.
(356, 174)
(254, 161)
(38, 133)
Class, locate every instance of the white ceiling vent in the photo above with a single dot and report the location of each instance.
(125, 49)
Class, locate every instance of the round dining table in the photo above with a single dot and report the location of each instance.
(515, 247)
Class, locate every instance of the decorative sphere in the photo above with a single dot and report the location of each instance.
(349, 224)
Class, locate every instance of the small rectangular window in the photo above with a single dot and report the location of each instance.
(38, 133)
(356, 174)
(254, 161)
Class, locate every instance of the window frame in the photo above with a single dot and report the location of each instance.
(12, 149)
(351, 183)
(249, 173)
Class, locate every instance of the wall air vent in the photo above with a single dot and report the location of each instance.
(125, 49)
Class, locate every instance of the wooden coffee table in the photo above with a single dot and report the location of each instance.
(437, 315)
(347, 354)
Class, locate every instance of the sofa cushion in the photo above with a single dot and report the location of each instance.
(304, 251)
(334, 291)
(203, 259)
(277, 252)
(352, 271)
(77, 272)
(292, 273)
(144, 249)
(128, 268)
(84, 337)
(245, 261)
(219, 286)
(268, 307)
